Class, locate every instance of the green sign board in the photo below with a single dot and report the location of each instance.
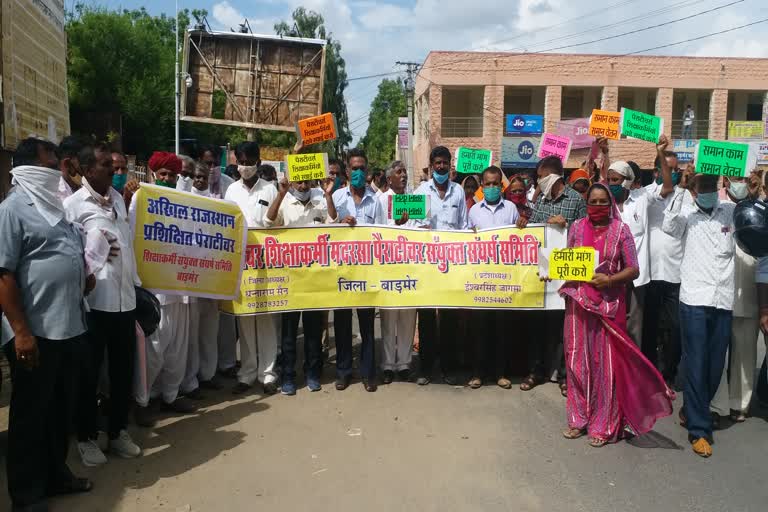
(718, 157)
(417, 206)
(640, 125)
(472, 161)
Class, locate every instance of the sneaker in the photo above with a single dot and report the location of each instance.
(288, 388)
(313, 383)
(181, 405)
(91, 454)
(124, 446)
(270, 388)
(422, 380)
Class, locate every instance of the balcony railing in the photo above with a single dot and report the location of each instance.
(462, 127)
(698, 130)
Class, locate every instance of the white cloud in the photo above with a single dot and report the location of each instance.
(383, 16)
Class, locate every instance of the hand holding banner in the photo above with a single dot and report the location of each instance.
(307, 166)
(314, 130)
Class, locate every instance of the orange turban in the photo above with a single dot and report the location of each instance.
(578, 174)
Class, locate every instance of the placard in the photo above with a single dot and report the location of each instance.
(640, 125)
(572, 264)
(555, 145)
(314, 130)
(722, 158)
(605, 123)
(416, 205)
(472, 161)
(307, 166)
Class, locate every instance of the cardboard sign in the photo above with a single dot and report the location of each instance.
(472, 161)
(308, 166)
(718, 157)
(523, 124)
(640, 125)
(604, 123)
(572, 264)
(684, 149)
(314, 130)
(417, 206)
(555, 145)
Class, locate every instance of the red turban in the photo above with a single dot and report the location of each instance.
(164, 160)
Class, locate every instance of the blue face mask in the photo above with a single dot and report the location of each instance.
(492, 194)
(118, 181)
(707, 200)
(357, 180)
(618, 192)
(675, 179)
(440, 178)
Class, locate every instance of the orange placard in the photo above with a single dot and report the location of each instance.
(605, 123)
(314, 130)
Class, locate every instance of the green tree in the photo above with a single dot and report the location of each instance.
(310, 24)
(387, 106)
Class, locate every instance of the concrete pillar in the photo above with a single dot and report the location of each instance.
(664, 108)
(553, 103)
(718, 114)
(435, 113)
(493, 120)
(610, 100)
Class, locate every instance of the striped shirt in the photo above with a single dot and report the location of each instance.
(569, 204)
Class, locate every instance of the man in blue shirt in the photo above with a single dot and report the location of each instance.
(448, 211)
(42, 284)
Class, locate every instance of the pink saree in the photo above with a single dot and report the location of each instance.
(611, 385)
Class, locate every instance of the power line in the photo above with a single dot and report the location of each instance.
(374, 76)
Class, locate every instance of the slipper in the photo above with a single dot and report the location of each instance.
(596, 442)
(475, 383)
(573, 433)
(530, 382)
(564, 389)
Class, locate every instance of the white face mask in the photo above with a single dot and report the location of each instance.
(546, 184)
(739, 190)
(247, 171)
(302, 196)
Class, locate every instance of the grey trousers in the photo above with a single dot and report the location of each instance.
(635, 309)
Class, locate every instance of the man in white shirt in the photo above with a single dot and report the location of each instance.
(69, 165)
(218, 182)
(706, 299)
(184, 182)
(112, 322)
(297, 205)
(258, 333)
(448, 211)
(688, 117)
(398, 326)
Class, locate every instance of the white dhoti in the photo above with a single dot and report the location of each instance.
(258, 348)
(202, 353)
(398, 328)
(227, 342)
(738, 379)
(167, 353)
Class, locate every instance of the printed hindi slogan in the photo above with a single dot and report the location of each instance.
(605, 123)
(572, 264)
(719, 157)
(186, 244)
(327, 267)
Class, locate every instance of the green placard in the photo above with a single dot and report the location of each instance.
(718, 157)
(640, 125)
(472, 161)
(417, 206)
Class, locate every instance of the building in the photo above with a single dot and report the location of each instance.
(467, 98)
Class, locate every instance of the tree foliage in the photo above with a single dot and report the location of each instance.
(310, 24)
(387, 106)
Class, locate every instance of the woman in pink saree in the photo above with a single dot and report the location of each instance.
(612, 389)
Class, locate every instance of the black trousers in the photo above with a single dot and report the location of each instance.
(437, 340)
(39, 420)
(313, 352)
(491, 344)
(342, 328)
(662, 302)
(544, 343)
(117, 333)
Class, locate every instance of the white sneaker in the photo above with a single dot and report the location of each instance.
(124, 446)
(91, 454)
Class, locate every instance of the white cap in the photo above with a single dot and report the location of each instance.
(623, 168)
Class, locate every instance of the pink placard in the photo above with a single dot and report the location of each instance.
(555, 145)
(577, 130)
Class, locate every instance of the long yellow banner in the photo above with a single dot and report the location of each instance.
(329, 267)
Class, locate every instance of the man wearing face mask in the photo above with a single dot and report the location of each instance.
(69, 165)
(297, 205)
(706, 299)
(734, 393)
(356, 205)
(448, 211)
(258, 334)
(184, 182)
(120, 168)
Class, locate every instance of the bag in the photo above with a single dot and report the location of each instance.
(147, 310)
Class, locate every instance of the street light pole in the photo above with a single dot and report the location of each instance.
(176, 78)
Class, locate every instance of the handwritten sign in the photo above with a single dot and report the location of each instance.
(605, 123)
(472, 161)
(572, 264)
(555, 145)
(640, 125)
(719, 157)
(417, 206)
(308, 166)
(314, 130)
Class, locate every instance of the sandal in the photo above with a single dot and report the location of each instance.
(574, 433)
(738, 416)
(530, 382)
(563, 388)
(475, 383)
(596, 442)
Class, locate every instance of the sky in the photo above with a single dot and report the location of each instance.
(376, 34)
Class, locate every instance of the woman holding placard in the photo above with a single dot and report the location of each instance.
(612, 388)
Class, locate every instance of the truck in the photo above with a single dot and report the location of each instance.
(33, 76)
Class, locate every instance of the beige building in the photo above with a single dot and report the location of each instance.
(464, 98)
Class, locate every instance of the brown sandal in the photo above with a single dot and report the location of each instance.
(530, 382)
(563, 388)
(574, 433)
(596, 442)
(475, 383)
(738, 416)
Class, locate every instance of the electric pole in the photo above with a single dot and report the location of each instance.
(411, 68)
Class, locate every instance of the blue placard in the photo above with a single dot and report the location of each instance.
(519, 152)
(685, 150)
(524, 125)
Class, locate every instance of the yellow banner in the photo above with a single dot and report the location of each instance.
(746, 129)
(572, 264)
(329, 267)
(187, 244)
(307, 166)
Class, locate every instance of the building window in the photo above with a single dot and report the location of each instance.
(638, 98)
(463, 111)
(745, 105)
(578, 102)
(699, 101)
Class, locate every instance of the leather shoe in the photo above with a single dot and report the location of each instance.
(404, 375)
(342, 383)
(370, 386)
(241, 388)
(270, 388)
(388, 377)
